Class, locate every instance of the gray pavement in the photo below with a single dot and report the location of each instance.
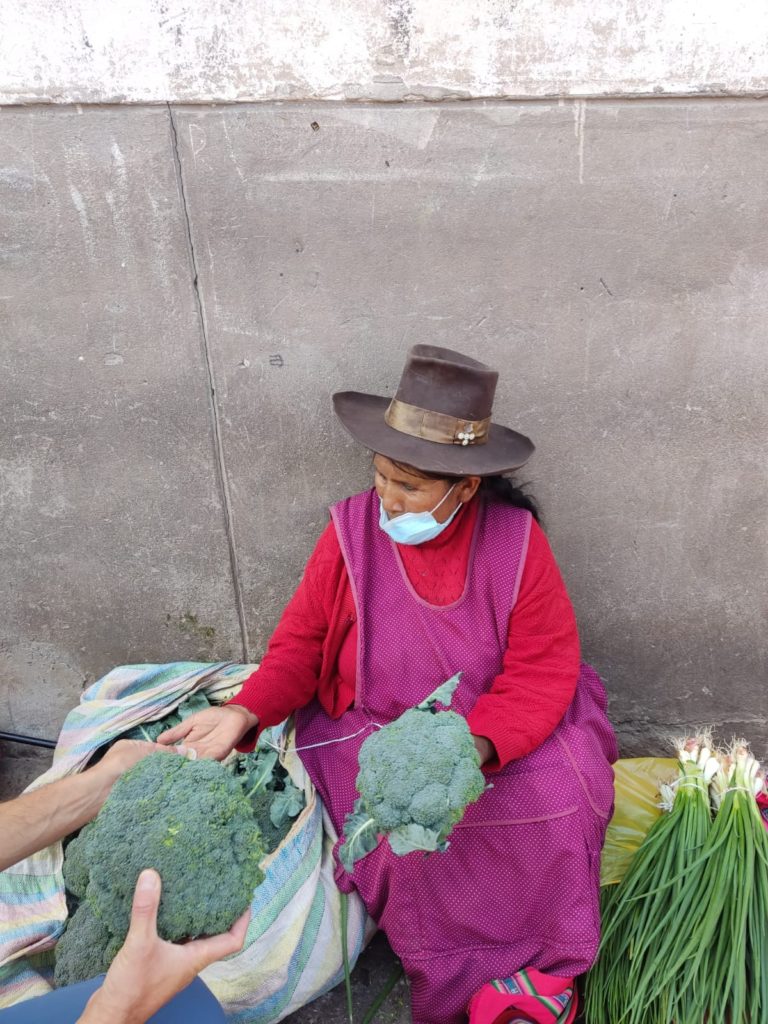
(371, 973)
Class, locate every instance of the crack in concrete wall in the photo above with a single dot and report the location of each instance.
(222, 478)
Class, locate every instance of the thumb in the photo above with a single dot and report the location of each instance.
(146, 899)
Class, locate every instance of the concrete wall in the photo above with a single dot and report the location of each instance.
(183, 288)
(88, 51)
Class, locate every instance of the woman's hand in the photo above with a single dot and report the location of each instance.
(148, 971)
(485, 749)
(213, 732)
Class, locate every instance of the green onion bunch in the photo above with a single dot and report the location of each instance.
(642, 913)
(716, 969)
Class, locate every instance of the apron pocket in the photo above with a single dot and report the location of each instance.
(518, 797)
(528, 885)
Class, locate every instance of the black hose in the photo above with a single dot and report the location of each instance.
(29, 741)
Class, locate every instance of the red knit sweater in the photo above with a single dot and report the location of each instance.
(312, 652)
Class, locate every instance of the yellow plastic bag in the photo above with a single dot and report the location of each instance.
(636, 783)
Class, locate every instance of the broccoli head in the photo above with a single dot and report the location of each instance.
(417, 776)
(86, 948)
(191, 821)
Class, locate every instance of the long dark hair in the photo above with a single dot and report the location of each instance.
(503, 488)
(508, 490)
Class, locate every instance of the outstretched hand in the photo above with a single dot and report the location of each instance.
(148, 971)
(212, 733)
(124, 755)
(35, 820)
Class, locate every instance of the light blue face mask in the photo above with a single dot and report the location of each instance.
(415, 527)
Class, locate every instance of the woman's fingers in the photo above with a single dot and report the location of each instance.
(178, 732)
(210, 746)
(205, 740)
(211, 733)
(194, 727)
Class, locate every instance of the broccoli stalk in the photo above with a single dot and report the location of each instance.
(415, 804)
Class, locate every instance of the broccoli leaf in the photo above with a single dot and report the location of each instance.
(360, 836)
(286, 805)
(412, 837)
(442, 695)
(267, 785)
(149, 731)
(196, 701)
(260, 775)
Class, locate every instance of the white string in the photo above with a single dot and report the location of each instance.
(326, 743)
(739, 789)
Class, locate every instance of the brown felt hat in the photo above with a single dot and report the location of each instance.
(440, 418)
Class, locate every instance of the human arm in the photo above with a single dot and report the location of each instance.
(287, 677)
(148, 971)
(32, 821)
(529, 697)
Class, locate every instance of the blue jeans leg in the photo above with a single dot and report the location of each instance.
(195, 1004)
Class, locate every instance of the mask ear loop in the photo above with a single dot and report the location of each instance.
(437, 506)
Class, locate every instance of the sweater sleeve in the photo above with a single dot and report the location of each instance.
(529, 697)
(287, 677)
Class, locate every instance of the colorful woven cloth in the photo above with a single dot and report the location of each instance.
(292, 950)
(762, 803)
(528, 997)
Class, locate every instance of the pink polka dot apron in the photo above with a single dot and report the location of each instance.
(518, 886)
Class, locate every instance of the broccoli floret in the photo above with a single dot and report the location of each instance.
(86, 948)
(417, 776)
(427, 807)
(190, 821)
(76, 865)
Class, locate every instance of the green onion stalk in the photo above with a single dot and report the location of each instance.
(642, 912)
(717, 964)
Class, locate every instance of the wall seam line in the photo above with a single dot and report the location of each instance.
(27, 102)
(222, 477)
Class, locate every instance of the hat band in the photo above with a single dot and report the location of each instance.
(435, 426)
